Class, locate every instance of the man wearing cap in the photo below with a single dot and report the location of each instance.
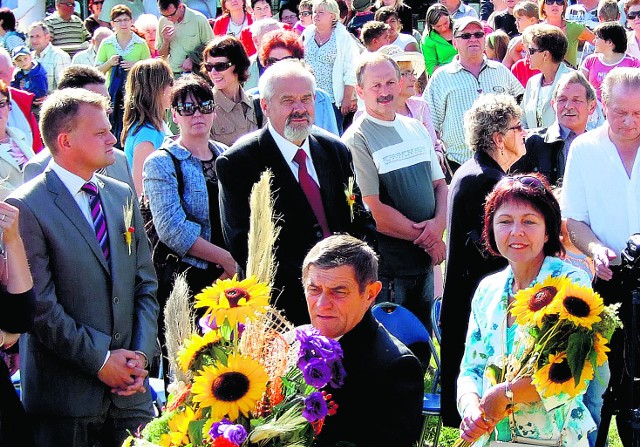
(401, 183)
(363, 14)
(455, 86)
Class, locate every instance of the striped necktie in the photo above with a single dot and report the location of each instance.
(99, 222)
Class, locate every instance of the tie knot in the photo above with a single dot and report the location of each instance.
(300, 157)
(90, 189)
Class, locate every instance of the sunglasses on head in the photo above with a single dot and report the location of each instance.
(189, 108)
(272, 60)
(633, 15)
(467, 36)
(219, 66)
(531, 182)
(554, 2)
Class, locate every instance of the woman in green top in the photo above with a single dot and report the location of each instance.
(438, 35)
(116, 55)
(552, 12)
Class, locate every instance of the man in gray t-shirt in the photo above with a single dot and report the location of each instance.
(402, 184)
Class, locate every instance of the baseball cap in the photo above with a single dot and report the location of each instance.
(20, 51)
(462, 23)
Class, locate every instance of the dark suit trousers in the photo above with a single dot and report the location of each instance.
(107, 430)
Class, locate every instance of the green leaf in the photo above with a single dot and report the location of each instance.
(578, 347)
(195, 431)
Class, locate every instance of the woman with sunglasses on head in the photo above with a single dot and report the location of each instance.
(494, 132)
(437, 46)
(522, 225)
(185, 209)
(92, 22)
(226, 64)
(147, 98)
(632, 11)
(546, 48)
(552, 12)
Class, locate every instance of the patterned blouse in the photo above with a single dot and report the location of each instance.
(555, 418)
(321, 59)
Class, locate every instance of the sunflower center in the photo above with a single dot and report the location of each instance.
(542, 298)
(560, 372)
(577, 306)
(234, 296)
(230, 386)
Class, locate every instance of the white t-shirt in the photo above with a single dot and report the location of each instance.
(403, 40)
(597, 190)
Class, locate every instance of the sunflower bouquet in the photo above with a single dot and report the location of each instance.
(566, 328)
(249, 377)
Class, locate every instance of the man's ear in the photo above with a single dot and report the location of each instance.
(372, 291)
(360, 92)
(63, 141)
(263, 106)
(592, 107)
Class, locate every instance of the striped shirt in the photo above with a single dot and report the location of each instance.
(452, 91)
(53, 60)
(70, 35)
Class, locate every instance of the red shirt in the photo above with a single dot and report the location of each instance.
(221, 25)
(522, 71)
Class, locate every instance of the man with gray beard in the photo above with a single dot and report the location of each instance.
(312, 170)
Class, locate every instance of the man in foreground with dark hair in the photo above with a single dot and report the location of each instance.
(381, 400)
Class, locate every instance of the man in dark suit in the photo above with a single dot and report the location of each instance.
(380, 401)
(311, 173)
(82, 76)
(83, 364)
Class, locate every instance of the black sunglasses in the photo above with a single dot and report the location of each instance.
(467, 36)
(189, 108)
(219, 66)
(531, 182)
(551, 2)
(533, 51)
(633, 15)
(272, 60)
(305, 13)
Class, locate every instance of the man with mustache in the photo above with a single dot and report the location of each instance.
(574, 99)
(402, 184)
(312, 171)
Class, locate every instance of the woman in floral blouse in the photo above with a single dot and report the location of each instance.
(522, 224)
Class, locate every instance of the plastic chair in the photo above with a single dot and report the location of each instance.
(406, 327)
(435, 318)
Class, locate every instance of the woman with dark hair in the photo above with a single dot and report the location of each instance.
(390, 16)
(235, 21)
(437, 46)
(92, 22)
(405, 14)
(288, 13)
(494, 133)
(147, 98)
(611, 52)
(522, 224)
(18, 310)
(9, 37)
(547, 47)
(552, 13)
(185, 209)
(226, 63)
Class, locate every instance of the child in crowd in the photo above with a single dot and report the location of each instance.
(31, 76)
(496, 45)
(526, 14)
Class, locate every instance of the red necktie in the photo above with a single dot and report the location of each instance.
(312, 191)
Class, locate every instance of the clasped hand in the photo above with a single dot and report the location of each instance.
(430, 240)
(124, 372)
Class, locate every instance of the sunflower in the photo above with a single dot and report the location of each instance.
(231, 389)
(193, 347)
(555, 377)
(235, 300)
(580, 305)
(179, 426)
(601, 348)
(532, 304)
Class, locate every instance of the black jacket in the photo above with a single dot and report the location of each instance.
(545, 154)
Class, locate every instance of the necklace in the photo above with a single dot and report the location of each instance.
(320, 40)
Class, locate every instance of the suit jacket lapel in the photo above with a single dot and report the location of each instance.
(68, 206)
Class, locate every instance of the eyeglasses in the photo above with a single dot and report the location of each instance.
(122, 20)
(408, 73)
(308, 13)
(554, 2)
(519, 128)
(633, 15)
(166, 16)
(219, 66)
(533, 51)
(467, 36)
(189, 108)
(272, 60)
(68, 4)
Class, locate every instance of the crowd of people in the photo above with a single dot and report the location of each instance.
(474, 151)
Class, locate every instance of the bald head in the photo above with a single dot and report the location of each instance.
(6, 67)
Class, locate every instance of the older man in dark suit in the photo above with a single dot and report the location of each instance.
(83, 364)
(380, 402)
(312, 171)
